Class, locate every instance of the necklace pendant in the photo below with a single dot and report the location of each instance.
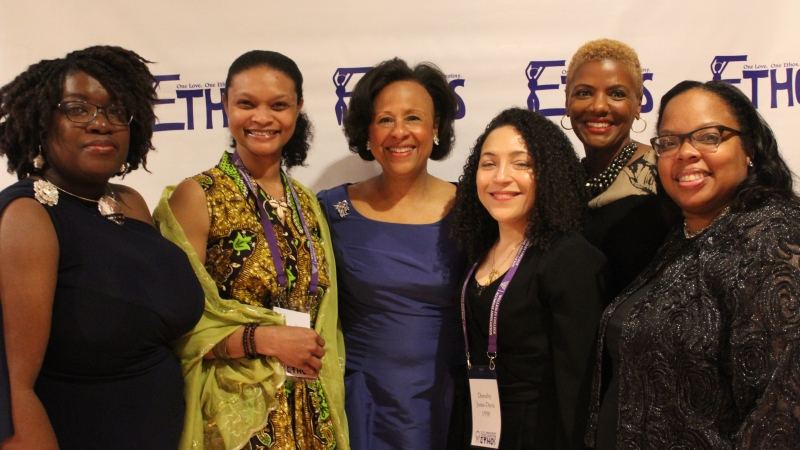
(110, 209)
(279, 206)
(493, 275)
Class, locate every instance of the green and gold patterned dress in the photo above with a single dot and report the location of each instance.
(239, 261)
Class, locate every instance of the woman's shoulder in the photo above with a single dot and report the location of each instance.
(771, 214)
(573, 243)
(333, 195)
(572, 253)
(444, 190)
(132, 202)
(22, 189)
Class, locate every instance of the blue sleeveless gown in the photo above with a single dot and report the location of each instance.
(398, 306)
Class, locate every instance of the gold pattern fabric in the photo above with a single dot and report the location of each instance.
(244, 403)
(240, 261)
(238, 255)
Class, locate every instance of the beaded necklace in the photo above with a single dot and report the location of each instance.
(603, 180)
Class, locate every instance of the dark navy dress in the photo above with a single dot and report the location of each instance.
(398, 305)
(109, 377)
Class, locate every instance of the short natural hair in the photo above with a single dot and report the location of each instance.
(608, 49)
(560, 197)
(295, 150)
(769, 176)
(28, 103)
(360, 110)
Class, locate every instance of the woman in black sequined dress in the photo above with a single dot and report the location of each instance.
(705, 343)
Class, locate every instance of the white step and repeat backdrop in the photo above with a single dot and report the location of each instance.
(496, 55)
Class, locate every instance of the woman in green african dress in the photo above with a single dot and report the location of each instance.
(261, 249)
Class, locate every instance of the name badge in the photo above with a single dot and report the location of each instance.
(485, 400)
(295, 319)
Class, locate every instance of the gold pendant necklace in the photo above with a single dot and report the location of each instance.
(494, 274)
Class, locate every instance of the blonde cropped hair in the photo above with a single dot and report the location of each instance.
(607, 49)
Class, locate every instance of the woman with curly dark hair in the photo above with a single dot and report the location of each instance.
(532, 300)
(704, 345)
(92, 295)
(398, 268)
(261, 248)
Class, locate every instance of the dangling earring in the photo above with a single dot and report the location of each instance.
(38, 161)
(369, 149)
(750, 162)
(436, 140)
(562, 123)
(642, 130)
(123, 169)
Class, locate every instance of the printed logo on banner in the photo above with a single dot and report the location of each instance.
(783, 76)
(183, 108)
(455, 80)
(555, 81)
(343, 77)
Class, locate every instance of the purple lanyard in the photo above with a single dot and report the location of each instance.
(269, 232)
(491, 351)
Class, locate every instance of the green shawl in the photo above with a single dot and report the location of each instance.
(229, 401)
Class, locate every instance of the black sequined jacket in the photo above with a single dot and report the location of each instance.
(710, 357)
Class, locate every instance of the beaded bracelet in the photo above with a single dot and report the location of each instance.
(254, 354)
(249, 341)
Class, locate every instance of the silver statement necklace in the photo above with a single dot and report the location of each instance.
(603, 180)
(46, 193)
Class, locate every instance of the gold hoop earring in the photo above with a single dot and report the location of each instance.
(562, 123)
(643, 128)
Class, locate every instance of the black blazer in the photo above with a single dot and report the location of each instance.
(546, 331)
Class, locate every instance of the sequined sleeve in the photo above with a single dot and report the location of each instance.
(765, 335)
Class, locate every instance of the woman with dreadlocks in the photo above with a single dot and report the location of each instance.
(91, 294)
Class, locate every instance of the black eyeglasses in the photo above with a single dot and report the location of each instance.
(80, 111)
(705, 140)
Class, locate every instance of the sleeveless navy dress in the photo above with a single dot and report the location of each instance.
(109, 378)
(400, 316)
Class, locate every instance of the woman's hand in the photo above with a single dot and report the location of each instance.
(298, 347)
(293, 346)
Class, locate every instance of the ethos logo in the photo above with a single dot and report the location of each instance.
(784, 79)
(555, 80)
(341, 78)
(181, 113)
(344, 78)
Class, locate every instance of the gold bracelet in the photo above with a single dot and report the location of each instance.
(220, 350)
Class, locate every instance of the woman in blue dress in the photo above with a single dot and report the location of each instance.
(398, 270)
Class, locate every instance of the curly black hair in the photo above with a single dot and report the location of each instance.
(360, 113)
(770, 176)
(560, 198)
(28, 103)
(295, 151)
